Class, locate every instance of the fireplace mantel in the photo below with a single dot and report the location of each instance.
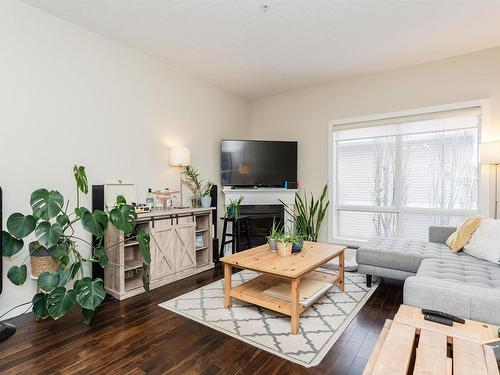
(260, 195)
(263, 196)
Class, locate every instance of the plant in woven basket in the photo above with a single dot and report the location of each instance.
(309, 214)
(64, 284)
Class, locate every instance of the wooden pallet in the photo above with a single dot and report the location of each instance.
(407, 348)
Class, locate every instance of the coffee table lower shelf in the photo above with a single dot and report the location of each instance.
(253, 292)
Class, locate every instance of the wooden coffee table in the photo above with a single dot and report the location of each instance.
(292, 268)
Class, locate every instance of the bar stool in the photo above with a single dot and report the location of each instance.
(239, 226)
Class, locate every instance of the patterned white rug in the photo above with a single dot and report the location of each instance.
(320, 325)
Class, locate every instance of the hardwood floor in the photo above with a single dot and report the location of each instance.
(136, 336)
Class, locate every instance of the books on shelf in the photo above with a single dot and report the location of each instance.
(309, 291)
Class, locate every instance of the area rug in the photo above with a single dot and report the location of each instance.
(320, 325)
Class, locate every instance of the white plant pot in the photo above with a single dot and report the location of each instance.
(206, 202)
(284, 249)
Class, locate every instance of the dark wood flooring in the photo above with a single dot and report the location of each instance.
(138, 337)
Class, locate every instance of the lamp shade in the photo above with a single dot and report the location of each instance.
(180, 156)
(489, 153)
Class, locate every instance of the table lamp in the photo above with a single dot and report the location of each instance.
(180, 157)
(489, 153)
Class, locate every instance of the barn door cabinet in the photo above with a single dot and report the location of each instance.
(180, 243)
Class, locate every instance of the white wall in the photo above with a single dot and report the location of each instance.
(68, 95)
(304, 114)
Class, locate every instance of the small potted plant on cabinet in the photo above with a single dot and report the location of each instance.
(206, 199)
(201, 191)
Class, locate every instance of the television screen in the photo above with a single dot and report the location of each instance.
(258, 163)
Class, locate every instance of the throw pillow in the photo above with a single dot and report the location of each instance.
(462, 235)
(485, 242)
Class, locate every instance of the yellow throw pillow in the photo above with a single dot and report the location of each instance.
(462, 235)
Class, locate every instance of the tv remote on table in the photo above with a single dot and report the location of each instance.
(439, 319)
(443, 315)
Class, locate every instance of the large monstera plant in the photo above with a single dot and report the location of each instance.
(53, 227)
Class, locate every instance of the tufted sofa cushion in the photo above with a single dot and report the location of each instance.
(469, 288)
(466, 272)
(402, 254)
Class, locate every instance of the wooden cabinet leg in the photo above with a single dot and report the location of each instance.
(341, 271)
(295, 305)
(227, 285)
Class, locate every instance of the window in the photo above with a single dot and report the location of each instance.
(395, 177)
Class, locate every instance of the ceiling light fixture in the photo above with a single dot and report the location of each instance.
(265, 7)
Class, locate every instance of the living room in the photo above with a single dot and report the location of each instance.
(222, 122)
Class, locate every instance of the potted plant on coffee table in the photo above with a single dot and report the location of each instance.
(297, 242)
(284, 244)
(274, 236)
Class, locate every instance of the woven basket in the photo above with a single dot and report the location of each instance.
(41, 261)
(284, 249)
(43, 264)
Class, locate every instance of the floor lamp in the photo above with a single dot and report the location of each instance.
(489, 153)
(180, 157)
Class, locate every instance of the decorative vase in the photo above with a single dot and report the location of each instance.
(284, 249)
(195, 202)
(206, 201)
(231, 212)
(273, 245)
(297, 247)
(41, 261)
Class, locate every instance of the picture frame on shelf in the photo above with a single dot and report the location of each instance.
(200, 240)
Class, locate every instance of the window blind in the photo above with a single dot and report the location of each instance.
(396, 177)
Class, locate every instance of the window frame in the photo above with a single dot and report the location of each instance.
(485, 177)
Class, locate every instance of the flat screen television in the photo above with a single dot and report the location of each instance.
(258, 163)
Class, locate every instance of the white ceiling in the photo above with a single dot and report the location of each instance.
(236, 45)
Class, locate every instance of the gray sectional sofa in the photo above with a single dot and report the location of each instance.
(435, 277)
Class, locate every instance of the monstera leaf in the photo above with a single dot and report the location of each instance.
(90, 293)
(120, 200)
(75, 267)
(40, 306)
(123, 217)
(62, 220)
(17, 274)
(64, 275)
(59, 250)
(101, 256)
(47, 234)
(79, 211)
(60, 301)
(46, 204)
(21, 226)
(10, 245)
(143, 239)
(48, 281)
(95, 222)
(81, 178)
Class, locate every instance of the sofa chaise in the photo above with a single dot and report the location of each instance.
(435, 277)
